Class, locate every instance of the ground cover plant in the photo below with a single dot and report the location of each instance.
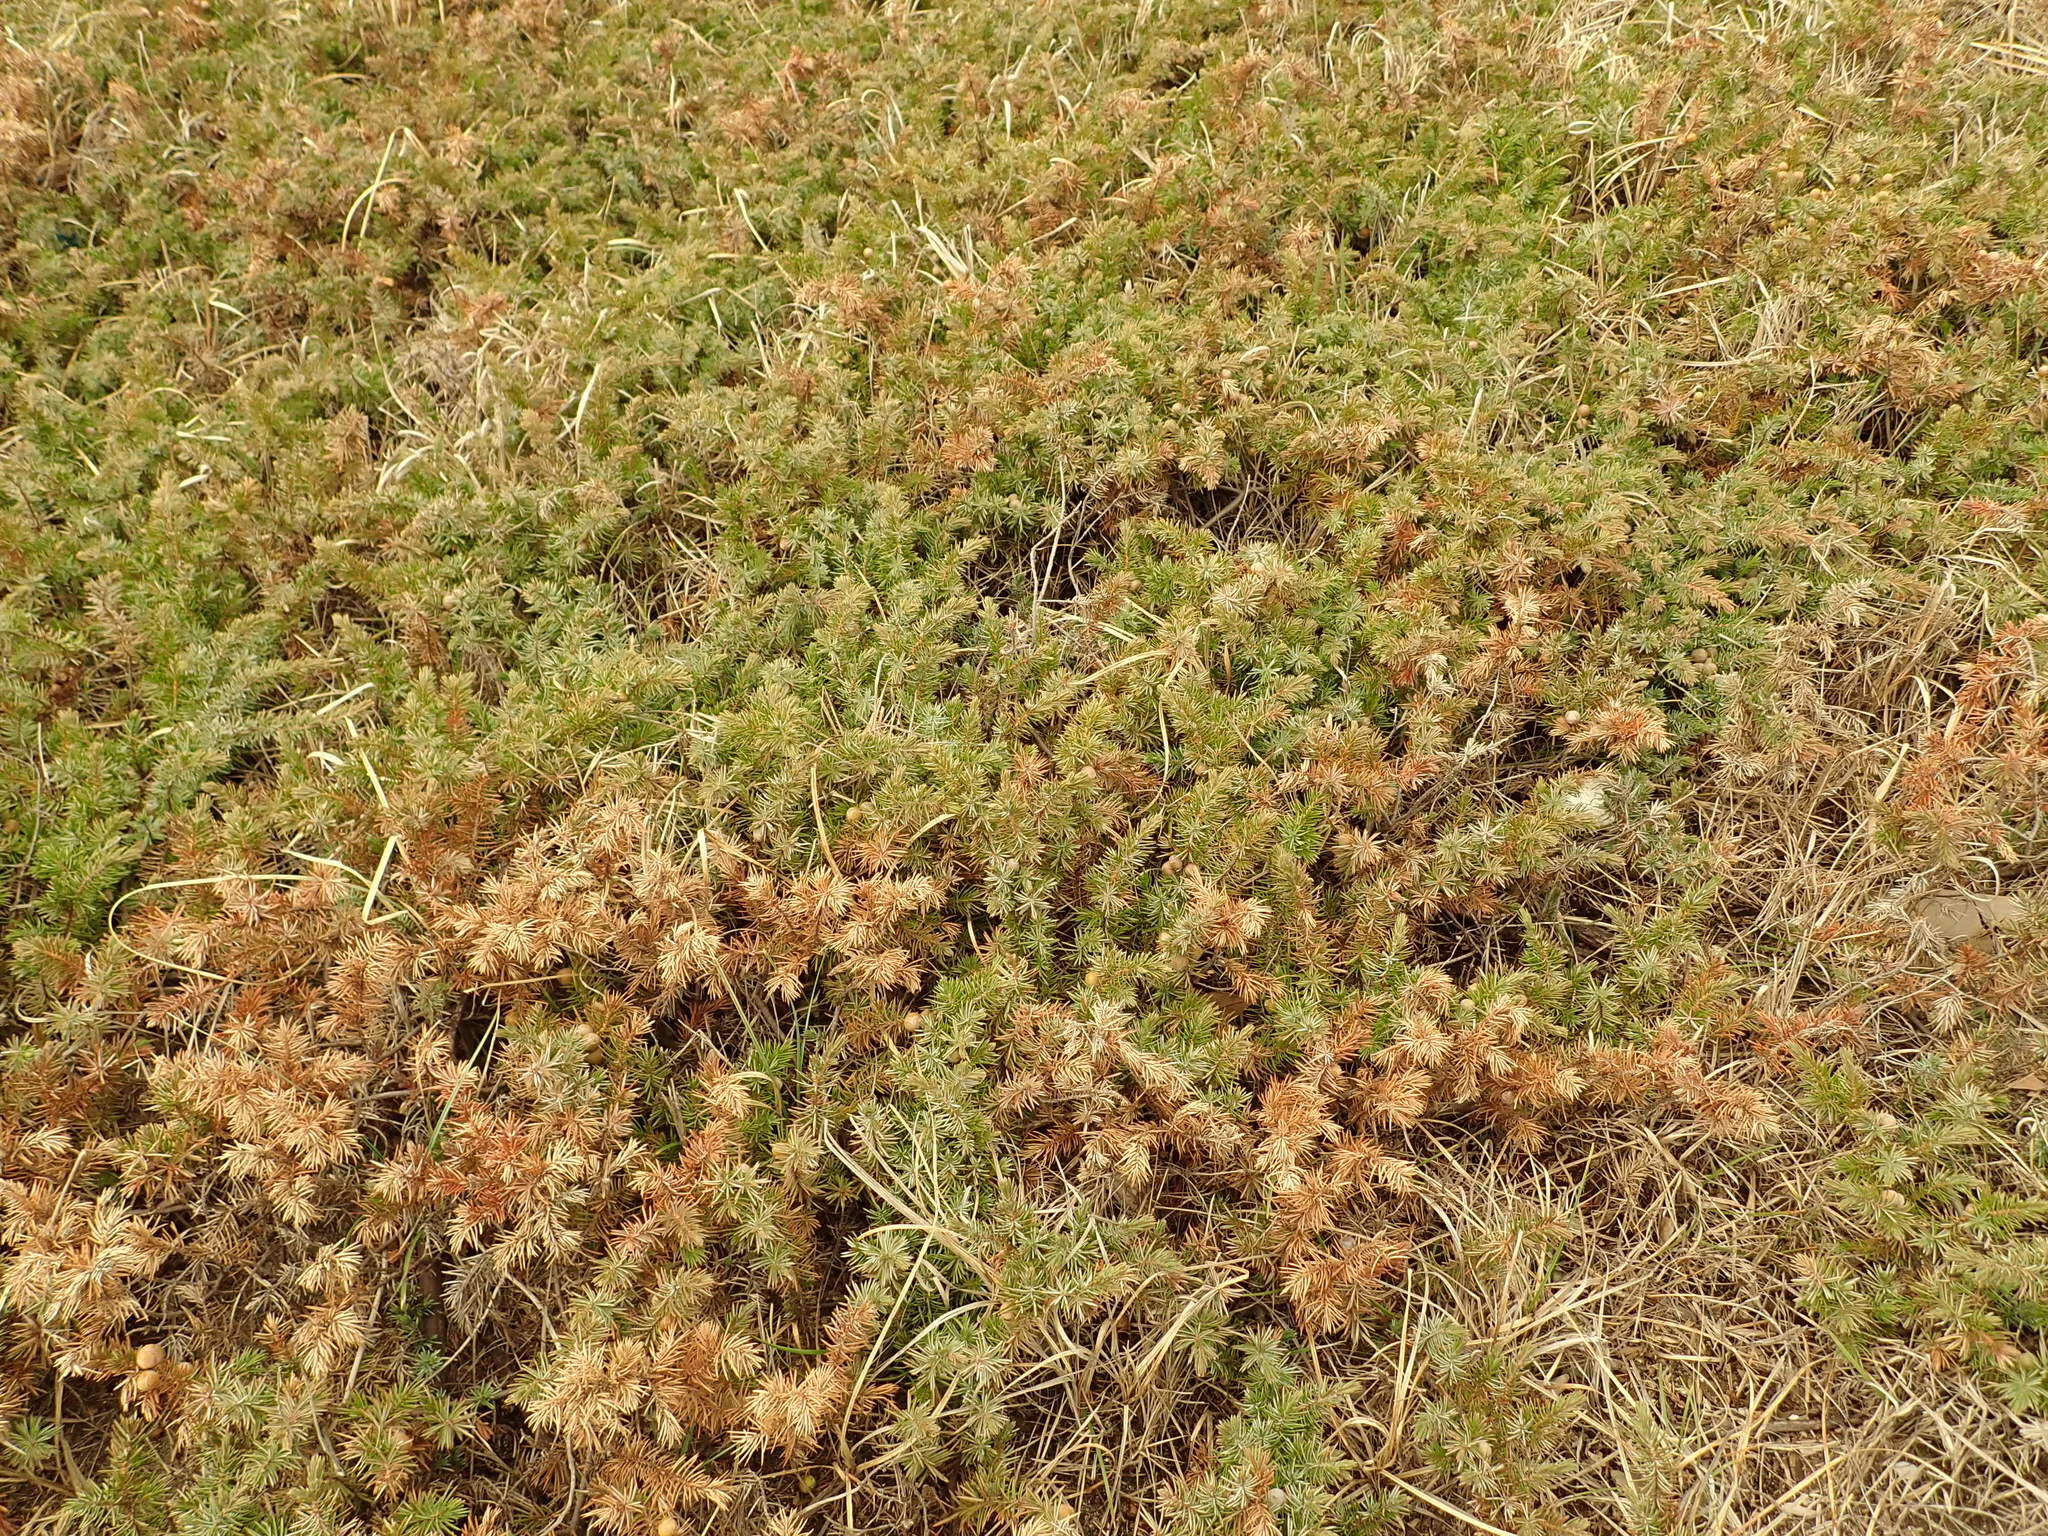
(1179, 768)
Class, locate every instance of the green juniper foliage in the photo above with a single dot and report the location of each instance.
(1037, 769)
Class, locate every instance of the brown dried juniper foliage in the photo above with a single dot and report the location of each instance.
(1191, 769)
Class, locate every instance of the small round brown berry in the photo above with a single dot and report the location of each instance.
(1572, 717)
(147, 1381)
(149, 1357)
